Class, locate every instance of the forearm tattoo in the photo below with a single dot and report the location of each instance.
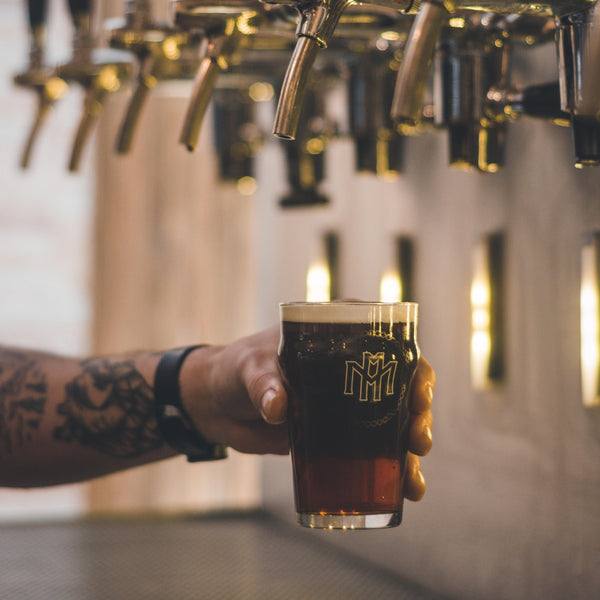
(23, 395)
(109, 407)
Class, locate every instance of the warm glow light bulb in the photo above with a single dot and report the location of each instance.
(481, 341)
(589, 327)
(318, 283)
(390, 288)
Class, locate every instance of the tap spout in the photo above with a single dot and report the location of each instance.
(204, 84)
(316, 26)
(146, 81)
(48, 92)
(93, 103)
(43, 109)
(102, 75)
(414, 69)
(37, 76)
(225, 32)
(292, 90)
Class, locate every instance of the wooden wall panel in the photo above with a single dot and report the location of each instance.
(174, 266)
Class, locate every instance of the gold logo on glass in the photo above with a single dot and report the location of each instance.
(370, 377)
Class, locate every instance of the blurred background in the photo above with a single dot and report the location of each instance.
(158, 247)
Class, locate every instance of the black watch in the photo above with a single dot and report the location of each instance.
(173, 421)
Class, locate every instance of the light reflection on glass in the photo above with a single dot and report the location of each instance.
(590, 329)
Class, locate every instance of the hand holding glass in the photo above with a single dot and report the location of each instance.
(348, 367)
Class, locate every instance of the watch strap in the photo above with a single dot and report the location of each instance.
(174, 423)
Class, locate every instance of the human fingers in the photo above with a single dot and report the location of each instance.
(422, 387)
(420, 439)
(261, 377)
(258, 437)
(414, 482)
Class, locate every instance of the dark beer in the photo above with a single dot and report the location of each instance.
(348, 385)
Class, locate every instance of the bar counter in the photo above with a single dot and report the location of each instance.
(226, 556)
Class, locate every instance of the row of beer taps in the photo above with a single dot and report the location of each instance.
(408, 65)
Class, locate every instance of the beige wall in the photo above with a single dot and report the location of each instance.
(511, 510)
(45, 227)
(174, 265)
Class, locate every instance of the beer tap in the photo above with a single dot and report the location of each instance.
(475, 100)
(162, 52)
(506, 102)
(98, 70)
(237, 138)
(37, 76)
(540, 101)
(579, 53)
(317, 22)
(378, 145)
(305, 155)
(425, 32)
(224, 26)
(469, 61)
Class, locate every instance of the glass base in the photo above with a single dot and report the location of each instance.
(349, 521)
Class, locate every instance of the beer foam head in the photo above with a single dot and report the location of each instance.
(349, 312)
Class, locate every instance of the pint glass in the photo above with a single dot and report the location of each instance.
(348, 367)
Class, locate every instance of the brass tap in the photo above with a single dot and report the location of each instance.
(225, 28)
(37, 76)
(540, 101)
(162, 52)
(305, 155)
(98, 71)
(433, 15)
(377, 142)
(316, 25)
(474, 98)
(237, 138)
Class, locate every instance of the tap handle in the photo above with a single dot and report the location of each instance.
(37, 11)
(79, 9)
(543, 101)
(81, 16)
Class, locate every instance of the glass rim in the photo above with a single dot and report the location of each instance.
(352, 311)
(346, 303)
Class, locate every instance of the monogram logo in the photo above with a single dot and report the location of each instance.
(371, 376)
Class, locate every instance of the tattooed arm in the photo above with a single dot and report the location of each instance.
(64, 420)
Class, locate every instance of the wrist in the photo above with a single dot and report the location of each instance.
(177, 426)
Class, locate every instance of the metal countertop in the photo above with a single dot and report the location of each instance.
(221, 557)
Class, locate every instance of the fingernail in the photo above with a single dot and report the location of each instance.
(429, 391)
(267, 401)
(427, 433)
